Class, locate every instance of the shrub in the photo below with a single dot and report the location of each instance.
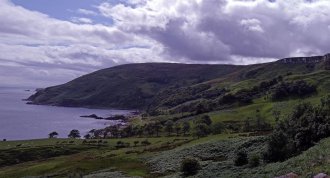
(190, 166)
(217, 128)
(145, 142)
(136, 142)
(304, 127)
(295, 89)
(206, 119)
(241, 158)
(202, 130)
(74, 134)
(254, 160)
(120, 144)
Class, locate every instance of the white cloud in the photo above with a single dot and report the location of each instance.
(86, 12)
(81, 20)
(253, 25)
(193, 31)
(35, 40)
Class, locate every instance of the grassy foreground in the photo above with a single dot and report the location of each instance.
(67, 157)
(161, 158)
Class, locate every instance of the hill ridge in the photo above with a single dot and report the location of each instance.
(135, 86)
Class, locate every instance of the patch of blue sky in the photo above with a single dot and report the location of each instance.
(68, 9)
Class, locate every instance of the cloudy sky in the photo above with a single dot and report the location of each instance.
(47, 42)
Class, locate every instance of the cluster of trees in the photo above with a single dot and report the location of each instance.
(181, 95)
(202, 126)
(245, 96)
(293, 89)
(148, 130)
(73, 134)
(257, 124)
(266, 85)
(242, 158)
(306, 125)
(205, 99)
(242, 97)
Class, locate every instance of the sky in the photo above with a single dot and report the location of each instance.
(48, 42)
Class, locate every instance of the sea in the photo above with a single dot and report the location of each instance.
(21, 121)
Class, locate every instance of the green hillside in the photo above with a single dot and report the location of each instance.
(262, 120)
(129, 86)
(164, 87)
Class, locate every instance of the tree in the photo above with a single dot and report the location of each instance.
(202, 130)
(325, 103)
(92, 133)
(186, 127)
(140, 131)
(74, 134)
(177, 129)
(259, 120)
(114, 131)
(87, 136)
(145, 142)
(157, 127)
(136, 142)
(294, 89)
(241, 158)
(305, 126)
(128, 131)
(261, 124)
(200, 108)
(206, 119)
(53, 134)
(254, 160)
(149, 128)
(247, 125)
(169, 126)
(277, 115)
(190, 166)
(106, 132)
(217, 128)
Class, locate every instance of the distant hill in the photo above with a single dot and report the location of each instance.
(167, 85)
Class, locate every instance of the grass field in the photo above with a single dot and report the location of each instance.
(74, 157)
(83, 158)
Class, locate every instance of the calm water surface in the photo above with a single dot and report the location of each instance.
(21, 121)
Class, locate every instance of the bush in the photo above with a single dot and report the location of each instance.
(145, 142)
(241, 158)
(295, 89)
(190, 166)
(136, 142)
(202, 130)
(304, 127)
(217, 128)
(74, 134)
(121, 144)
(254, 160)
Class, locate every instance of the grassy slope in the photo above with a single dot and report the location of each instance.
(94, 159)
(134, 86)
(237, 79)
(216, 157)
(128, 86)
(87, 160)
(216, 153)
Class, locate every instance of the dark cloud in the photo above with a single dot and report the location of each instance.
(191, 31)
(219, 30)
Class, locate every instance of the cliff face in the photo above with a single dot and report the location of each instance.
(313, 59)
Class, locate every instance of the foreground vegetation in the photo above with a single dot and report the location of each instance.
(262, 120)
